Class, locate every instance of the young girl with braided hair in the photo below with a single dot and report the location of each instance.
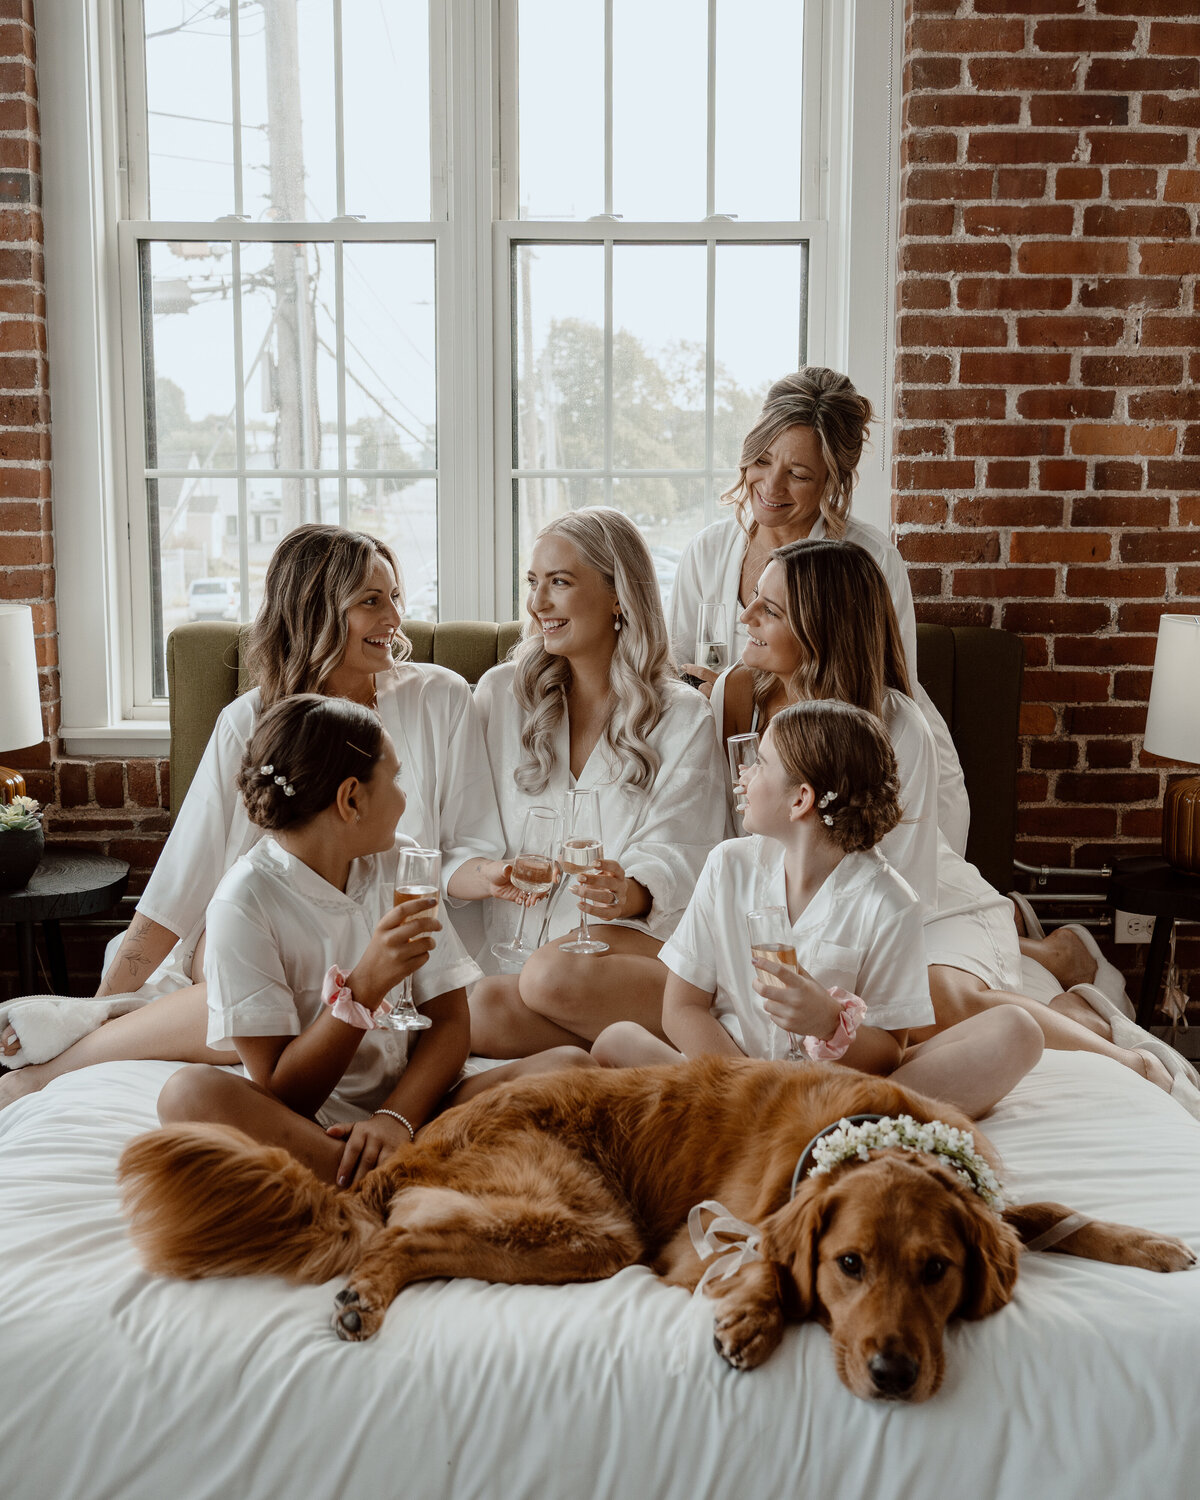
(822, 795)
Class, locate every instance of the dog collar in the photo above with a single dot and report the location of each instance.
(855, 1136)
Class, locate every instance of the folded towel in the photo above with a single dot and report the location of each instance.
(48, 1024)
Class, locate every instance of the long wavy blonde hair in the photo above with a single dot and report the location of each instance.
(827, 402)
(299, 634)
(610, 543)
(840, 610)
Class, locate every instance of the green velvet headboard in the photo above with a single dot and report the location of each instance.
(972, 674)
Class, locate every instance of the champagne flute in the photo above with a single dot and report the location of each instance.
(771, 940)
(742, 750)
(712, 638)
(582, 851)
(533, 873)
(418, 873)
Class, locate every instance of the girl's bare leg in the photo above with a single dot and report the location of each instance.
(555, 1060)
(502, 1025)
(1063, 954)
(974, 1064)
(583, 993)
(625, 1044)
(173, 1028)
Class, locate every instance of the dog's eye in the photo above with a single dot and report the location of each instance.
(850, 1265)
(933, 1271)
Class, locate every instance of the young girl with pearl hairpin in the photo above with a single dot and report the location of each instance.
(823, 793)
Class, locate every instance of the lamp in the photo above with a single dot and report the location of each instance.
(20, 699)
(1173, 731)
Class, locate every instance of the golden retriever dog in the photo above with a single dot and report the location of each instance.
(572, 1176)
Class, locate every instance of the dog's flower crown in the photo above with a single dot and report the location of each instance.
(957, 1147)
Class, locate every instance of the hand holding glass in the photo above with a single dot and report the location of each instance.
(532, 873)
(712, 639)
(418, 873)
(582, 851)
(742, 750)
(771, 940)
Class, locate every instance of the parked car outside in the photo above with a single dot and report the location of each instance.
(214, 599)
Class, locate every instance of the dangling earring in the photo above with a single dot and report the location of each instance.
(617, 624)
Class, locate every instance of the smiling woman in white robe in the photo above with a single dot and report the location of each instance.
(589, 702)
(798, 470)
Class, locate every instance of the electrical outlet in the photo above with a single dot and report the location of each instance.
(1131, 927)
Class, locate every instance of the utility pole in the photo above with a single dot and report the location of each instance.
(534, 506)
(299, 424)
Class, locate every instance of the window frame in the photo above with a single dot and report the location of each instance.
(96, 399)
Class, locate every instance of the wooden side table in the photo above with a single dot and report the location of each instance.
(1153, 888)
(67, 883)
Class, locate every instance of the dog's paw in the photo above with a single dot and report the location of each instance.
(1161, 1252)
(744, 1335)
(353, 1320)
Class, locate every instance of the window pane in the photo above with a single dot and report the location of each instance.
(391, 385)
(760, 56)
(669, 512)
(558, 356)
(188, 354)
(540, 500)
(660, 87)
(757, 335)
(385, 64)
(658, 356)
(561, 109)
(403, 513)
(189, 98)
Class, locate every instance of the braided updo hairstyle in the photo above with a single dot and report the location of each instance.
(301, 751)
(836, 747)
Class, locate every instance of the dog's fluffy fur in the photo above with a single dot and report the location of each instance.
(572, 1176)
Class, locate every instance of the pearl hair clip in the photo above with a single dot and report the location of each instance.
(824, 803)
(288, 789)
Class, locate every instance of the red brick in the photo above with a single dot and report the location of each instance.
(1175, 41)
(143, 783)
(1054, 755)
(961, 109)
(1128, 145)
(1191, 440)
(1070, 332)
(974, 440)
(1062, 474)
(1136, 75)
(1163, 109)
(1121, 438)
(1182, 187)
(925, 583)
(1037, 718)
(1189, 510)
(1146, 823)
(1104, 650)
(1133, 182)
(966, 36)
(1147, 221)
(953, 332)
(1025, 7)
(1020, 182)
(949, 547)
(1130, 369)
(1109, 719)
(1170, 333)
(1117, 582)
(1019, 369)
(110, 785)
(929, 147)
(918, 440)
(1015, 75)
(1073, 258)
(1059, 546)
(1131, 686)
(1065, 687)
(986, 293)
(1080, 35)
(927, 73)
(1107, 787)
(1159, 546)
(1037, 652)
(1131, 291)
(1003, 583)
(944, 183)
(1173, 474)
(26, 515)
(1063, 402)
(1169, 260)
(72, 783)
(924, 293)
(1007, 474)
(1120, 510)
(955, 614)
(920, 510)
(949, 404)
(958, 257)
(1020, 219)
(1109, 755)
(1009, 510)
(1078, 182)
(1187, 582)
(1031, 787)
(1079, 109)
(1145, 617)
(1028, 146)
(932, 474)
(1112, 475)
(922, 369)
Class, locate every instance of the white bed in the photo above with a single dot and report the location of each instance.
(114, 1383)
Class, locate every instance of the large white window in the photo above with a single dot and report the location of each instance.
(436, 269)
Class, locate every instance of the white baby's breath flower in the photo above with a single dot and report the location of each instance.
(933, 1138)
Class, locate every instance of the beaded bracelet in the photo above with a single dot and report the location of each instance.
(396, 1115)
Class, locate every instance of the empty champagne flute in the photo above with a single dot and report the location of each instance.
(712, 638)
(582, 851)
(418, 873)
(533, 873)
(771, 940)
(742, 750)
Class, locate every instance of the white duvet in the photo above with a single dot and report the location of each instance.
(117, 1384)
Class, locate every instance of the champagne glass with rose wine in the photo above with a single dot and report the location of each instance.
(771, 940)
(418, 873)
(742, 750)
(582, 851)
(712, 639)
(532, 873)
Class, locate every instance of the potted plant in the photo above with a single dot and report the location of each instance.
(22, 840)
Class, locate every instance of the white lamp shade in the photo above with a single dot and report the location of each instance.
(1173, 722)
(20, 700)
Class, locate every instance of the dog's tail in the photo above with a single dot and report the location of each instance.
(206, 1200)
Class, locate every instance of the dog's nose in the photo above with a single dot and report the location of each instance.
(893, 1374)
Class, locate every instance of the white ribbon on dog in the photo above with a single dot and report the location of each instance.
(731, 1240)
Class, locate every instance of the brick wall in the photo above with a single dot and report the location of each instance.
(111, 806)
(1048, 381)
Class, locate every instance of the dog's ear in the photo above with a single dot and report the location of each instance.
(993, 1255)
(790, 1238)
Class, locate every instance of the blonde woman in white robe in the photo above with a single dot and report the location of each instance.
(330, 623)
(590, 701)
(799, 466)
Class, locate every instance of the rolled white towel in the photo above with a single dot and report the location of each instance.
(48, 1024)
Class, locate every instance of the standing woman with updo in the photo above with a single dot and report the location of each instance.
(329, 623)
(589, 700)
(799, 466)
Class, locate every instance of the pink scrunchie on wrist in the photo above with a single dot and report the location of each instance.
(829, 1049)
(337, 995)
